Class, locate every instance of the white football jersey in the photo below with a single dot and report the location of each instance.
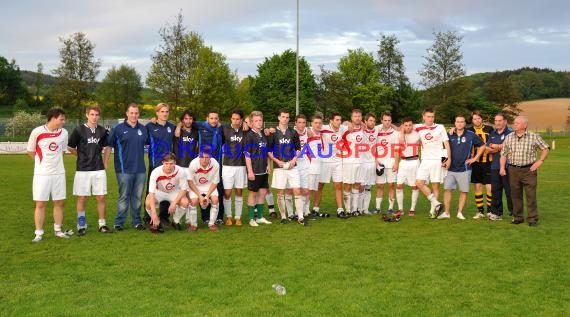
(369, 138)
(432, 139)
(167, 183)
(49, 147)
(204, 176)
(332, 143)
(412, 144)
(388, 140)
(352, 142)
(316, 146)
(303, 160)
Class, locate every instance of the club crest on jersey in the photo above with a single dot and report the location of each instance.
(93, 140)
(168, 130)
(139, 132)
(334, 137)
(358, 138)
(429, 136)
(371, 138)
(169, 186)
(202, 180)
(53, 146)
(384, 142)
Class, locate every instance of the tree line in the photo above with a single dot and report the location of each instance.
(187, 73)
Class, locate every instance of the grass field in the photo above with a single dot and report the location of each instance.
(355, 267)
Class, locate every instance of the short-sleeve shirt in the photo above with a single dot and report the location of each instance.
(284, 144)
(89, 144)
(186, 146)
(521, 151)
(128, 143)
(204, 176)
(496, 137)
(387, 142)
(256, 149)
(432, 139)
(48, 147)
(332, 143)
(232, 149)
(352, 140)
(160, 142)
(461, 146)
(167, 183)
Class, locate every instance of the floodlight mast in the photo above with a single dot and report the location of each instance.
(297, 66)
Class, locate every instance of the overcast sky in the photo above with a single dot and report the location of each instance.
(497, 35)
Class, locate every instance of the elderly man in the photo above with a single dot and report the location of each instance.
(519, 150)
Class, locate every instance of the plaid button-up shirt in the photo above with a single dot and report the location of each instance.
(521, 151)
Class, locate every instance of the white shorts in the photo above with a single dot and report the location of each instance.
(389, 176)
(234, 177)
(430, 171)
(304, 176)
(331, 170)
(352, 173)
(162, 196)
(87, 183)
(407, 171)
(45, 185)
(283, 178)
(313, 182)
(369, 173)
(202, 190)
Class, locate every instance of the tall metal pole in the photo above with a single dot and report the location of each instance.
(297, 66)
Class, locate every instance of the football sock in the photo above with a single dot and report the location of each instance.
(239, 206)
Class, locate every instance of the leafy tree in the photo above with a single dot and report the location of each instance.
(443, 64)
(120, 87)
(359, 71)
(76, 74)
(392, 73)
(274, 85)
(332, 94)
(38, 83)
(500, 90)
(186, 73)
(244, 99)
(11, 86)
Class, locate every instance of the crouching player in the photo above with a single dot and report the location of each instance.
(203, 179)
(167, 183)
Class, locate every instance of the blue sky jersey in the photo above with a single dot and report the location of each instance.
(461, 146)
(160, 142)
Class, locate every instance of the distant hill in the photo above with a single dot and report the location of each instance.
(30, 77)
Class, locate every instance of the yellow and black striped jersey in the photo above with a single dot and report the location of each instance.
(483, 132)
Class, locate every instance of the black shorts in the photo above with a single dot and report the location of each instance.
(481, 173)
(261, 181)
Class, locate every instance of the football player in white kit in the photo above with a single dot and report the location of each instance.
(433, 138)
(315, 142)
(370, 136)
(46, 147)
(352, 173)
(388, 139)
(331, 160)
(167, 182)
(407, 159)
(303, 161)
(203, 179)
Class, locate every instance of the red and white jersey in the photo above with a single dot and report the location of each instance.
(316, 147)
(332, 143)
(411, 146)
(388, 140)
(303, 160)
(432, 139)
(369, 138)
(352, 141)
(49, 147)
(167, 183)
(204, 176)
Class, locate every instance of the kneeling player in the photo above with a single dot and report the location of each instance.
(167, 183)
(203, 179)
